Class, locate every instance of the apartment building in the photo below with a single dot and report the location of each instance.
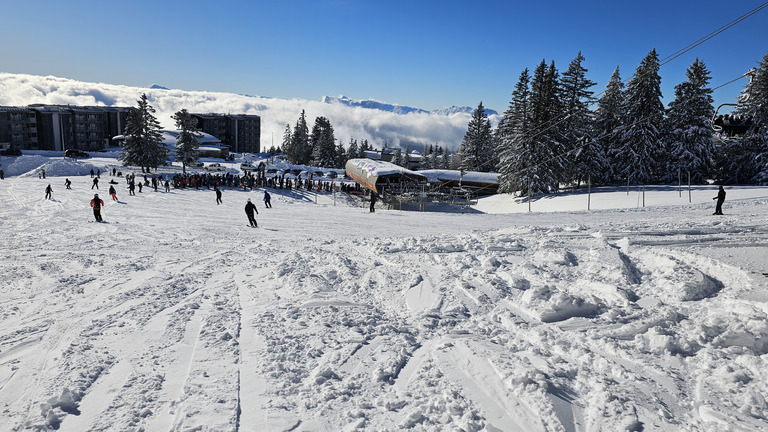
(58, 128)
(240, 132)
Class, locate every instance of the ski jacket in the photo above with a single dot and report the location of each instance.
(250, 208)
(97, 203)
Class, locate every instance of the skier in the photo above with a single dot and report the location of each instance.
(167, 186)
(67, 183)
(91, 172)
(2, 175)
(113, 192)
(48, 191)
(95, 183)
(97, 203)
(374, 197)
(267, 200)
(218, 195)
(132, 188)
(720, 199)
(249, 209)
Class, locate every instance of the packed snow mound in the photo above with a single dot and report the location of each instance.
(31, 166)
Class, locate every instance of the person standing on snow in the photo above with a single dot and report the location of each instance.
(48, 191)
(113, 192)
(67, 183)
(720, 199)
(249, 209)
(374, 197)
(96, 204)
(267, 200)
(218, 195)
(95, 183)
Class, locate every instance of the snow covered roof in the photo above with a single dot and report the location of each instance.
(437, 175)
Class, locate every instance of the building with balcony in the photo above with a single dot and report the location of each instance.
(240, 132)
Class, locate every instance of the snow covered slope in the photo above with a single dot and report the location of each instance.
(174, 315)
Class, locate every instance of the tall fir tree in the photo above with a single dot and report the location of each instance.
(756, 109)
(641, 146)
(187, 145)
(341, 156)
(287, 144)
(301, 151)
(144, 142)
(323, 143)
(515, 157)
(477, 150)
(609, 119)
(689, 131)
(584, 160)
(353, 152)
(547, 147)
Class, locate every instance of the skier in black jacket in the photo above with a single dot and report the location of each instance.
(720, 199)
(249, 209)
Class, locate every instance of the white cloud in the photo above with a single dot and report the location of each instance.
(376, 126)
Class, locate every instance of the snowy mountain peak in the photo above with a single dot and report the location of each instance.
(158, 87)
(397, 109)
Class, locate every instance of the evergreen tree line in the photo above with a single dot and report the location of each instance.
(144, 145)
(549, 137)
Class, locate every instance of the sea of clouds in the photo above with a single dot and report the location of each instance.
(379, 127)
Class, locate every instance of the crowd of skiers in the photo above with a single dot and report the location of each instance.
(248, 181)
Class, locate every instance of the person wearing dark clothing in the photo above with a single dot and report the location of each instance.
(374, 197)
(48, 191)
(95, 183)
(218, 195)
(720, 199)
(91, 173)
(132, 188)
(249, 209)
(167, 186)
(67, 183)
(140, 187)
(267, 200)
(2, 175)
(113, 192)
(96, 204)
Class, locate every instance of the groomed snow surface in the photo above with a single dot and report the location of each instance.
(174, 315)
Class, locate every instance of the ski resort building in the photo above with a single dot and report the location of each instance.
(385, 178)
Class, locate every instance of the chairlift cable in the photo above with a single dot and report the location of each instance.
(709, 36)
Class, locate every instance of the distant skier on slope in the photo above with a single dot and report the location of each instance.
(374, 197)
(113, 192)
(218, 195)
(249, 209)
(96, 204)
(48, 191)
(267, 200)
(720, 199)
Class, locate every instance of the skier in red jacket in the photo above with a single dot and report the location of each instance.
(96, 204)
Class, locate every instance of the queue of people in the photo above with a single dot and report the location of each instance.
(732, 124)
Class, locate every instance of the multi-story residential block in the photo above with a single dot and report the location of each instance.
(56, 127)
(18, 128)
(241, 132)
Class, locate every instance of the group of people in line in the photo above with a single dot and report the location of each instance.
(733, 124)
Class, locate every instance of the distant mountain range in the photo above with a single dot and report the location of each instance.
(399, 109)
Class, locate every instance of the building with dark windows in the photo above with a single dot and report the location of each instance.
(18, 128)
(240, 132)
(59, 127)
(63, 127)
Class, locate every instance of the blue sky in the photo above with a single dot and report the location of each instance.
(423, 53)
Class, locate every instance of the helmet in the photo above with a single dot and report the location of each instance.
(96, 196)
(249, 200)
